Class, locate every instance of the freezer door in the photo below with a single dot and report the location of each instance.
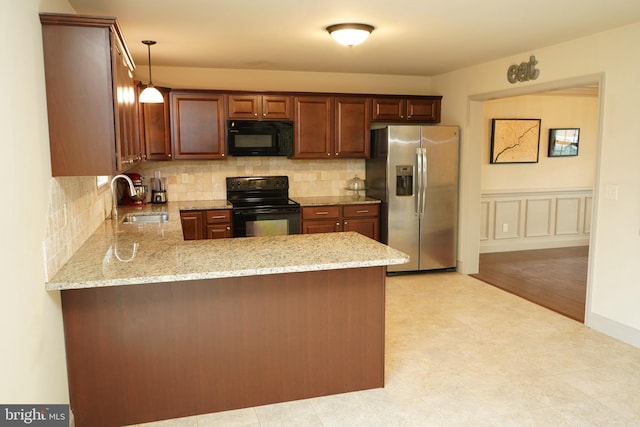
(403, 216)
(438, 228)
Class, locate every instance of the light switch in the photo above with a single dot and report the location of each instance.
(611, 192)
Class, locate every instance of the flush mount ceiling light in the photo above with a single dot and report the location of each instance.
(350, 34)
(150, 94)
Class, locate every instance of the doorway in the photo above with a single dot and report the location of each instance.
(555, 277)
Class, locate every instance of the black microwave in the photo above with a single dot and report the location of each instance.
(259, 138)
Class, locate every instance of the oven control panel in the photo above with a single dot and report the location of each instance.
(251, 183)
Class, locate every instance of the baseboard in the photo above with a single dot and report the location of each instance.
(614, 329)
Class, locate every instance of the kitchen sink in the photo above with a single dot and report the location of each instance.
(145, 218)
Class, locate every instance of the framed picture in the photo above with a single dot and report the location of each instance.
(515, 140)
(563, 142)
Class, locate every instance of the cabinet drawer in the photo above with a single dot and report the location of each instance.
(354, 211)
(218, 216)
(321, 212)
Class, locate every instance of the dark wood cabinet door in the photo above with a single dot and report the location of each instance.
(219, 231)
(277, 107)
(243, 106)
(369, 227)
(352, 127)
(326, 226)
(197, 125)
(127, 139)
(154, 127)
(313, 127)
(192, 225)
(389, 109)
(423, 110)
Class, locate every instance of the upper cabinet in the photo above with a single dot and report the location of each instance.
(154, 126)
(352, 127)
(425, 109)
(331, 127)
(197, 125)
(90, 96)
(258, 107)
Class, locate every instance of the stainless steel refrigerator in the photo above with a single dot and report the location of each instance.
(414, 171)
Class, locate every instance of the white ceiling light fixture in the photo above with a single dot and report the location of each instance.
(150, 94)
(350, 34)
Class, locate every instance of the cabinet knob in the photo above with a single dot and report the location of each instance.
(255, 114)
(169, 155)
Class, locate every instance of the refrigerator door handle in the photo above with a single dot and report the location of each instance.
(418, 183)
(423, 152)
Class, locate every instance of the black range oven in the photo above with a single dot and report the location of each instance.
(261, 206)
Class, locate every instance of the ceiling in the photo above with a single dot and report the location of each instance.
(411, 37)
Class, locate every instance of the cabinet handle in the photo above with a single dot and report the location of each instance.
(322, 213)
(364, 211)
(218, 217)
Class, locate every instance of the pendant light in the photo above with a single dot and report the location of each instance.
(350, 34)
(150, 94)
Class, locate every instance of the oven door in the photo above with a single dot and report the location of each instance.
(269, 221)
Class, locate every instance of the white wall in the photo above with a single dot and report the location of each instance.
(32, 357)
(610, 58)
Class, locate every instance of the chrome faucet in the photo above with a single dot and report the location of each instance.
(114, 206)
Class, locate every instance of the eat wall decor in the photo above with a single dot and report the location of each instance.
(523, 72)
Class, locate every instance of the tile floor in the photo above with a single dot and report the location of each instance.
(462, 353)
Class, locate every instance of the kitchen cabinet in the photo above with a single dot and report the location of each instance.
(331, 127)
(425, 109)
(362, 218)
(218, 224)
(90, 96)
(352, 127)
(321, 219)
(257, 107)
(154, 127)
(206, 224)
(192, 225)
(197, 125)
(312, 127)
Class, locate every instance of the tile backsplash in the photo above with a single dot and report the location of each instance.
(205, 180)
(76, 207)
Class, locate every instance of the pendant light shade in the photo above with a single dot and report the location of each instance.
(350, 34)
(150, 94)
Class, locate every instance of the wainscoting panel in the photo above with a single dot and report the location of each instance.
(568, 215)
(507, 219)
(539, 219)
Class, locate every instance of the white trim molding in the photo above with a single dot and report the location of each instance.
(534, 219)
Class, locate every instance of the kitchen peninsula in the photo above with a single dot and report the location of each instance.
(157, 327)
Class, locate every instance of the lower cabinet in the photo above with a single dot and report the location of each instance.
(209, 224)
(362, 218)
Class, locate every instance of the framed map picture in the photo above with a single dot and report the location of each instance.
(563, 142)
(515, 140)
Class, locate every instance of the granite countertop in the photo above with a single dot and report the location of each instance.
(335, 200)
(128, 254)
